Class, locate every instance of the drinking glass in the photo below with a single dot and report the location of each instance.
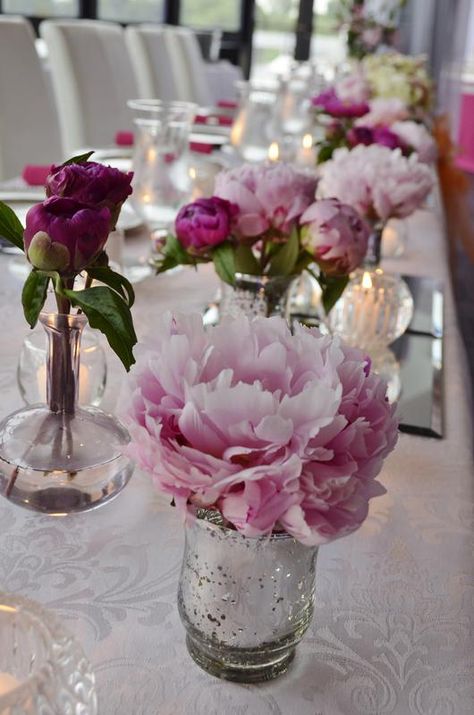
(162, 181)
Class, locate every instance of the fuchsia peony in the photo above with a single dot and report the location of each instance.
(378, 182)
(331, 103)
(376, 135)
(91, 183)
(336, 235)
(268, 197)
(64, 235)
(204, 223)
(289, 433)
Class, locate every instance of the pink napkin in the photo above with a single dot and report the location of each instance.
(124, 138)
(35, 174)
(200, 148)
(227, 104)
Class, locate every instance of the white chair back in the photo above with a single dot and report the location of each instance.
(160, 70)
(29, 128)
(195, 67)
(93, 79)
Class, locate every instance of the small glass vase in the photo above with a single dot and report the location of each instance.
(43, 670)
(256, 296)
(59, 458)
(245, 602)
(31, 371)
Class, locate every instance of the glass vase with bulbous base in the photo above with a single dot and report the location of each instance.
(59, 458)
(245, 602)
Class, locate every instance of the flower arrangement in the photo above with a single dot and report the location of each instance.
(369, 23)
(378, 182)
(286, 435)
(393, 75)
(64, 236)
(354, 118)
(256, 225)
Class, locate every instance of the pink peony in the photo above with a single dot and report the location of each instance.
(417, 136)
(353, 88)
(268, 197)
(384, 112)
(378, 182)
(288, 433)
(336, 235)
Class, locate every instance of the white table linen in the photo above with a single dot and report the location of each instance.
(392, 630)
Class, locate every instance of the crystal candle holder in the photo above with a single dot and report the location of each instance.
(42, 668)
(374, 310)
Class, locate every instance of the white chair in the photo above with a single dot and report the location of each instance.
(195, 67)
(160, 69)
(92, 78)
(29, 128)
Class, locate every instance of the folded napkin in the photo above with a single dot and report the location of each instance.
(222, 120)
(227, 104)
(124, 138)
(35, 174)
(201, 148)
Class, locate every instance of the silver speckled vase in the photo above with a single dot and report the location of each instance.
(245, 602)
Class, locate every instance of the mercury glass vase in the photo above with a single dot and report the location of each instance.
(58, 457)
(245, 602)
(254, 296)
(43, 670)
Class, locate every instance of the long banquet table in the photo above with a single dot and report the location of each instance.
(392, 630)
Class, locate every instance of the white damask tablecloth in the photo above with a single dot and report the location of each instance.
(392, 631)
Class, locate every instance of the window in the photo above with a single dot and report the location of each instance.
(42, 8)
(223, 14)
(130, 10)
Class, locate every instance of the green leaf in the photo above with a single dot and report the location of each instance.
(109, 313)
(284, 261)
(10, 226)
(79, 159)
(304, 260)
(325, 152)
(333, 287)
(33, 295)
(224, 263)
(114, 280)
(245, 261)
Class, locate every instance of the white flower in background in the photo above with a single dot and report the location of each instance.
(383, 12)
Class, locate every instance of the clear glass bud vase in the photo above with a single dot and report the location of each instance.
(261, 296)
(245, 602)
(59, 458)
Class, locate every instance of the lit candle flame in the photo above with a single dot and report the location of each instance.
(192, 173)
(307, 142)
(274, 151)
(151, 154)
(366, 281)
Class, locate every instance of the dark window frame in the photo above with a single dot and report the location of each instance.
(236, 46)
